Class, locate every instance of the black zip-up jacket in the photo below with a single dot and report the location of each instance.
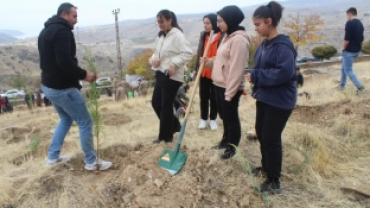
(57, 50)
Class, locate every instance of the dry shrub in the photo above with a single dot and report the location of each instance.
(352, 129)
(310, 149)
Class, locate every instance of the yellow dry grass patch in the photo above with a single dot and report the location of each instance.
(319, 152)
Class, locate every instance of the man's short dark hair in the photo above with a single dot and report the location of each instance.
(65, 7)
(352, 11)
(297, 68)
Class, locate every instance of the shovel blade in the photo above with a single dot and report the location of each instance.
(172, 161)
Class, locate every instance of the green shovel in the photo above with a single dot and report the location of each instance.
(174, 160)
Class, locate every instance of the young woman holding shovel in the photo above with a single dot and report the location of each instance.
(171, 53)
(208, 105)
(227, 75)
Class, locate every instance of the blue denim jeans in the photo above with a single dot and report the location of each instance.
(70, 106)
(348, 58)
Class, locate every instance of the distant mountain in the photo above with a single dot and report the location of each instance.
(137, 35)
(13, 33)
(4, 38)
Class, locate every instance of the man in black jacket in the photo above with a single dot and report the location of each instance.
(60, 78)
(353, 38)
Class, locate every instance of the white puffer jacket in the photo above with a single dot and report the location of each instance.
(172, 50)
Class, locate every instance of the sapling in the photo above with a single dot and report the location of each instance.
(93, 103)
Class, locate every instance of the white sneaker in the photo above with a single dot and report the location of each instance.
(361, 90)
(100, 165)
(202, 124)
(60, 160)
(213, 125)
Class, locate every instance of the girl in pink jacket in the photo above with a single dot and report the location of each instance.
(227, 75)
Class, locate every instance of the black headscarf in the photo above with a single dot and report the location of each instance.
(233, 16)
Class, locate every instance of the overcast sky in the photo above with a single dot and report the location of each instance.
(28, 16)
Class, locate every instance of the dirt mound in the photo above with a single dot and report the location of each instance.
(328, 113)
(138, 181)
(20, 134)
(39, 152)
(48, 185)
(117, 194)
(15, 134)
(115, 119)
(311, 71)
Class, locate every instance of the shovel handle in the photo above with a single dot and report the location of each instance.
(198, 77)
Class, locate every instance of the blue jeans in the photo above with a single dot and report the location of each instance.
(70, 106)
(348, 58)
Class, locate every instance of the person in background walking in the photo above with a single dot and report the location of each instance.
(29, 100)
(273, 77)
(171, 54)
(181, 101)
(2, 103)
(60, 79)
(38, 99)
(208, 105)
(228, 76)
(354, 36)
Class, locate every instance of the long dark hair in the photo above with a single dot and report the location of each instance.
(168, 15)
(272, 10)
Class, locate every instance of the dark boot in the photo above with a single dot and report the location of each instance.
(271, 186)
(259, 171)
(230, 152)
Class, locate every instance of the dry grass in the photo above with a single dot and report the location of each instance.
(319, 152)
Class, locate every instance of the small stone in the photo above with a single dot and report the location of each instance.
(347, 111)
(158, 192)
(251, 135)
(194, 192)
(199, 165)
(141, 202)
(233, 204)
(128, 198)
(366, 116)
(245, 202)
(225, 199)
(231, 180)
(159, 183)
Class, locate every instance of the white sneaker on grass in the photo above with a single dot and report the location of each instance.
(103, 165)
(361, 90)
(60, 160)
(202, 124)
(213, 125)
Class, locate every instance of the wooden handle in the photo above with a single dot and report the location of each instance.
(198, 76)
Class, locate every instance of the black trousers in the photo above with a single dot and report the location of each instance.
(207, 94)
(228, 111)
(270, 123)
(163, 98)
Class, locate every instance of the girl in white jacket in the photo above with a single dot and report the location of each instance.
(171, 53)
